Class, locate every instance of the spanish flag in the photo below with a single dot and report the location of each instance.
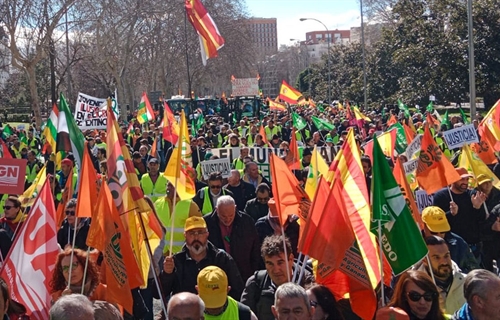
(276, 106)
(289, 94)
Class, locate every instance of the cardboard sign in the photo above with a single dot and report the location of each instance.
(12, 176)
(423, 199)
(410, 166)
(219, 165)
(414, 147)
(245, 87)
(455, 138)
(91, 112)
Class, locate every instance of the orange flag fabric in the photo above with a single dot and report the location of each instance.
(108, 235)
(434, 170)
(87, 188)
(484, 149)
(262, 132)
(294, 153)
(170, 126)
(392, 120)
(286, 189)
(400, 176)
(409, 133)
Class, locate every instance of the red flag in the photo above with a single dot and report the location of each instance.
(387, 141)
(434, 170)
(5, 150)
(262, 132)
(484, 149)
(294, 164)
(29, 265)
(171, 128)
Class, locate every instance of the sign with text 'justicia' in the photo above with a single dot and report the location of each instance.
(455, 138)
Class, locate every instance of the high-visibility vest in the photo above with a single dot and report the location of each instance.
(181, 215)
(31, 172)
(271, 132)
(207, 204)
(101, 145)
(238, 164)
(2, 202)
(154, 190)
(17, 152)
(250, 139)
(231, 312)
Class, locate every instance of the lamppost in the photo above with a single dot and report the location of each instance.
(328, 57)
(472, 77)
(363, 51)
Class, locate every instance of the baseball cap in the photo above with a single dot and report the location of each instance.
(435, 219)
(194, 223)
(212, 286)
(153, 160)
(67, 161)
(482, 178)
(391, 313)
(463, 173)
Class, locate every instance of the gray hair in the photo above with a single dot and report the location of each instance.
(292, 290)
(186, 298)
(477, 283)
(104, 310)
(225, 201)
(73, 306)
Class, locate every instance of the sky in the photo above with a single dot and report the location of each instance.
(335, 14)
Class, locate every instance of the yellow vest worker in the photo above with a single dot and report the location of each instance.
(155, 189)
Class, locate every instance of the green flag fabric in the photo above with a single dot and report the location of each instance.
(402, 241)
(200, 122)
(320, 107)
(7, 132)
(401, 143)
(446, 120)
(298, 122)
(69, 137)
(403, 107)
(322, 124)
(430, 107)
(464, 116)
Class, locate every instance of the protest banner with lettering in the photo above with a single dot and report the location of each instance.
(455, 138)
(423, 200)
(12, 175)
(261, 156)
(222, 165)
(414, 147)
(90, 112)
(245, 87)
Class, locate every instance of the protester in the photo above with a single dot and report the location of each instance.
(292, 302)
(66, 233)
(4, 300)
(11, 222)
(242, 191)
(258, 207)
(206, 198)
(185, 305)
(252, 175)
(322, 299)
(491, 238)
(418, 296)
(105, 311)
(10, 309)
(154, 182)
(74, 307)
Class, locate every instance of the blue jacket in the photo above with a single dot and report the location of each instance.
(463, 313)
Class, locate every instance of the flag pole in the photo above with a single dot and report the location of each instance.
(85, 269)
(286, 254)
(430, 268)
(296, 269)
(150, 254)
(303, 269)
(381, 254)
(72, 251)
(449, 192)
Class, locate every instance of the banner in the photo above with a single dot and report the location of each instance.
(423, 199)
(12, 175)
(261, 156)
(219, 165)
(455, 138)
(245, 87)
(90, 112)
(414, 147)
(410, 166)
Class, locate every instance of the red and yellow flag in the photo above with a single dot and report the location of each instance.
(293, 159)
(276, 106)
(262, 132)
(434, 170)
(387, 141)
(289, 94)
(177, 171)
(400, 176)
(87, 187)
(170, 126)
(210, 38)
(484, 149)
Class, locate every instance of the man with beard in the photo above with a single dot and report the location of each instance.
(180, 271)
(449, 280)
(464, 210)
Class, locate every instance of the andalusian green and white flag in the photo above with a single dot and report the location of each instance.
(298, 122)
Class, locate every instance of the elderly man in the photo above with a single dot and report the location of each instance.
(252, 175)
(292, 302)
(180, 270)
(185, 305)
(482, 293)
(242, 191)
(235, 233)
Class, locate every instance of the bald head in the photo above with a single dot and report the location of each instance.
(185, 306)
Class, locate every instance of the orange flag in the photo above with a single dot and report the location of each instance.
(87, 189)
(409, 133)
(262, 132)
(434, 170)
(152, 152)
(392, 120)
(170, 126)
(294, 164)
(400, 176)
(286, 190)
(484, 149)
(108, 235)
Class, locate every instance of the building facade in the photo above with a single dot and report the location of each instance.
(264, 33)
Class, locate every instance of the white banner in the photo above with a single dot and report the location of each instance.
(414, 147)
(455, 138)
(219, 165)
(423, 200)
(90, 112)
(410, 166)
(245, 87)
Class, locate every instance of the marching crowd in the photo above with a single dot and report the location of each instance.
(225, 255)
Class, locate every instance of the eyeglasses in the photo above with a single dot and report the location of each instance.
(195, 233)
(266, 199)
(70, 212)
(415, 296)
(73, 266)
(215, 187)
(8, 207)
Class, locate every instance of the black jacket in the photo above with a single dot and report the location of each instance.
(244, 241)
(185, 274)
(242, 193)
(264, 229)
(65, 235)
(256, 210)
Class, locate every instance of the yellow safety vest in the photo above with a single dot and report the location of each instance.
(181, 215)
(154, 190)
(231, 312)
(2, 202)
(238, 164)
(207, 204)
(31, 172)
(101, 145)
(250, 139)
(17, 153)
(271, 132)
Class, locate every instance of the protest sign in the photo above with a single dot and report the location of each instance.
(245, 87)
(12, 175)
(90, 112)
(414, 147)
(218, 165)
(410, 166)
(455, 138)
(423, 200)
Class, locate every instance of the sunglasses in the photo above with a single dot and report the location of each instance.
(70, 212)
(215, 187)
(73, 266)
(8, 207)
(195, 233)
(415, 296)
(263, 199)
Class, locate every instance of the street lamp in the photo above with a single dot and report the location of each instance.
(472, 77)
(328, 57)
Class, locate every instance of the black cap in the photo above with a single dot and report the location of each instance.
(153, 160)
(306, 152)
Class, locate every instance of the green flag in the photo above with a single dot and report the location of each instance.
(402, 241)
(430, 107)
(464, 116)
(200, 122)
(320, 107)
(446, 120)
(322, 124)
(401, 143)
(298, 122)
(7, 131)
(404, 107)
(234, 117)
(69, 137)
